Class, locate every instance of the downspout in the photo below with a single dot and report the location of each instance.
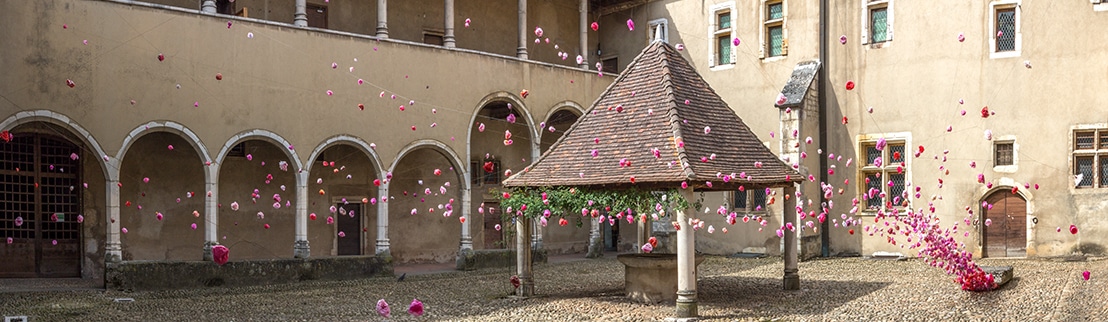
(825, 237)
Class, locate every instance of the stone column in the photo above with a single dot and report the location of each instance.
(643, 234)
(596, 242)
(113, 250)
(467, 237)
(208, 6)
(301, 248)
(521, 51)
(584, 9)
(686, 260)
(523, 258)
(382, 19)
(536, 236)
(211, 212)
(448, 29)
(300, 18)
(791, 281)
(383, 221)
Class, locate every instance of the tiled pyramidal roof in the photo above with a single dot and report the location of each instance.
(659, 102)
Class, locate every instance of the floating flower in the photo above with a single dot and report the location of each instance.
(383, 308)
(1073, 229)
(220, 254)
(630, 25)
(595, 26)
(842, 39)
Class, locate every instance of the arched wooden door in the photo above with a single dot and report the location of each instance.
(1006, 236)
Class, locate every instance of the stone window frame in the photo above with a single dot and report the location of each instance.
(994, 7)
(1098, 152)
(662, 23)
(1099, 5)
(714, 33)
(767, 24)
(868, 7)
(864, 169)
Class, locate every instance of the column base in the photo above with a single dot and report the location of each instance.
(526, 289)
(596, 248)
(791, 281)
(382, 33)
(686, 304)
(208, 251)
(113, 254)
(301, 249)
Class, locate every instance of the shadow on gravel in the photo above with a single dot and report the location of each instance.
(750, 297)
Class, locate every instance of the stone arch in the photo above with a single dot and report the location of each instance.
(263, 135)
(171, 127)
(63, 121)
(502, 96)
(545, 141)
(1003, 186)
(352, 141)
(439, 147)
(413, 187)
(565, 105)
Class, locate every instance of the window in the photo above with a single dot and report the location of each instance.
(774, 42)
(610, 65)
(877, 27)
(239, 150)
(478, 175)
(720, 35)
(1090, 158)
(1004, 153)
(432, 38)
(749, 200)
(884, 175)
(317, 16)
(1004, 32)
(659, 30)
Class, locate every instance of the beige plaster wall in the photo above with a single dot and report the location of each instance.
(243, 231)
(352, 182)
(427, 236)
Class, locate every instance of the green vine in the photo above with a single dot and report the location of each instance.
(569, 202)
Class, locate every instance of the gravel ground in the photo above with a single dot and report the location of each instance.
(840, 289)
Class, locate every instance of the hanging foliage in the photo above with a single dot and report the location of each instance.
(566, 202)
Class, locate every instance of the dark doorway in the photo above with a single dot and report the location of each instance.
(494, 238)
(611, 236)
(350, 225)
(317, 16)
(1006, 236)
(40, 191)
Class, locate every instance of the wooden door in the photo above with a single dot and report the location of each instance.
(350, 224)
(1006, 236)
(39, 204)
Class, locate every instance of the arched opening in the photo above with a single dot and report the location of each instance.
(259, 178)
(423, 191)
(1004, 232)
(492, 155)
(345, 175)
(559, 122)
(162, 199)
(48, 214)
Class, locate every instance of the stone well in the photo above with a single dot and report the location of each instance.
(651, 278)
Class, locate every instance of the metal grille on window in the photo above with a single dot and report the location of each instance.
(776, 41)
(872, 153)
(759, 199)
(739, 199)
(1103, 171)
(1103, 140)
(878, 24)
(724, 21)
(1084, 167)
(776, 11)
(59, 205)
(874, 184)
(723, 44)
(895, 151)
(1006, 29)
(1004, 153)
(896, 190)
(1083, 140)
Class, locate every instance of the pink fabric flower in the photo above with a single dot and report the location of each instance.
(416, 308)
(383, 308)
(220, 254)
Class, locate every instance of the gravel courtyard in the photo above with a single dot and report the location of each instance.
(839, 289)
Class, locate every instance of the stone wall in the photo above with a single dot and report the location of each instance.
(155, 275)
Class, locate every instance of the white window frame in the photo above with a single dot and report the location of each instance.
(1007, 139)
(862, 167)
(993, 7)
(766, 24)
(867, 10)
(714, 33)
(1100, 5)
(1096, 152)
(658, 23)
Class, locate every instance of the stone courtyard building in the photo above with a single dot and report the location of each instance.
(153, 116)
